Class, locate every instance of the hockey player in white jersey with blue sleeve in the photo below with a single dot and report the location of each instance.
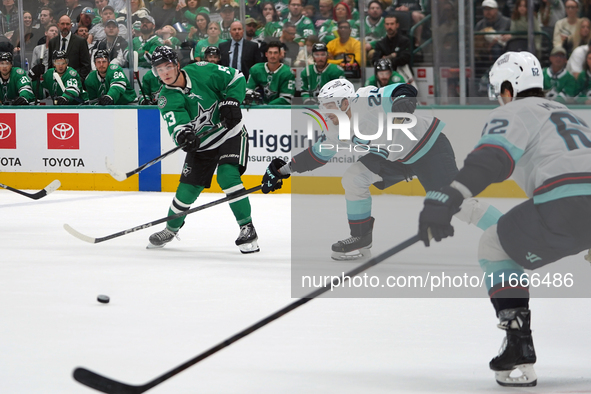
(547, 150)
(419, 148)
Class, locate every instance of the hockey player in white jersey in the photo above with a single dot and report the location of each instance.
(417, 149)
(547, 150)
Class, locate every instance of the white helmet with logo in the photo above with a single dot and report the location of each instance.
(335, 91)
(521, 69)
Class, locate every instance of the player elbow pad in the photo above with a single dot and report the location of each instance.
(306, 161)
(485, 166)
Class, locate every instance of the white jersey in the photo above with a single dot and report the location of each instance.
(369, 109)
(548, 146)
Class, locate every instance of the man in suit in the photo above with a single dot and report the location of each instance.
(239, 53)
(76, 47)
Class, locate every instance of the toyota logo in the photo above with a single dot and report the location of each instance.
(62, 131)
(5, 131)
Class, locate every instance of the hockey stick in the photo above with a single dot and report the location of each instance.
(53, 186)
(120, 176)
(137, 74)
(107, 385)
(91, 240)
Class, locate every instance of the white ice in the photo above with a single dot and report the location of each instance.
(169, 305)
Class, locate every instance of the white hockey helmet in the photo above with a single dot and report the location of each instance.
(335, 91)
(521, 69)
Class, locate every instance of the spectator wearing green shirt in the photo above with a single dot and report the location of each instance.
(584, 83)
(145, 44)
(272, 28)
(213, 39)
(559, 84)
(303, 24)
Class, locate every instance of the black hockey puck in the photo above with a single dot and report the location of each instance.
(103, 299)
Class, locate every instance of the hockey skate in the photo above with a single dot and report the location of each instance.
(517, 350)
(247, 239)
(352, 248)
(161, 238)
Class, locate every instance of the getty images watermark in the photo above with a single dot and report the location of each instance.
(344, 125)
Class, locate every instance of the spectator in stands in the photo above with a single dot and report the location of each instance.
(100, 4)
(45, 19)
(520, 23)
(273, 80)
(576, 61)
(582, 36)
(253, 9)
(375, 28)
(227, 13)
(567, 26)
(326, 7)
(309, 11)
(384, 75)
(145, 44)
(164, 13)
(73, 9)
(28, 28)
(251, 29)
(116, 46)
(187, 14)
(305, 57)
(329, 30)
(199, 31)
(9, 19)
(303, 24)
(272, 26)
(85, 19)
(550, 12)
(290, 47)
(82, 31)
(395, 46)
(445, 37)
(168, 36)
(315, 76)
(41, 52)
(340, 49)
(138, 10)
(75, 47)
(220, 4)
(416, 13)
(97, 33)
(212, 55)
(584, 83)
(213, 31)
(239, 53)
(559, 84)
(492, 46)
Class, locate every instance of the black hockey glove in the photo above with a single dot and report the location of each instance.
(36, 72)
(273, 179)
(230, 113)
(106, 100)
(252, 97)
(404, 98)
(188, 138)
(61, 100)
(20, 101)
(439, 207)
(145, 101)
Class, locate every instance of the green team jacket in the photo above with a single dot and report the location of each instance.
(17, 84)
(197, 104)
(304, 28)
(313, 81)
(151, 85)
(278, 87)
(559, 86)
(115, 84)
(72, 84)
(395, 78)
(145, 49)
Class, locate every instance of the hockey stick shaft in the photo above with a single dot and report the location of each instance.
(162, 220)
(53, 186)
(106, 385)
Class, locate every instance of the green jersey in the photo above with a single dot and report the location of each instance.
(328, 30)
(559, 86)
(199, 51)
(313, 80)
(144, 48)
(374, 33)
(304, 28)
(583, 87)
(395, 78)
(151, 85)
(278, 87)
(114, 84)
(197, 104)
(271, 29)
(70, 81)
(17, 84)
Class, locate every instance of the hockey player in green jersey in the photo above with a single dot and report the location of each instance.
(16, 85)
(62, 83)
(317, 75)
(151, 86)
(274, 78)
(193, 102)
(384, 75)
(108, 84)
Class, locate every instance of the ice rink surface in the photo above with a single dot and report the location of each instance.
(169, 305)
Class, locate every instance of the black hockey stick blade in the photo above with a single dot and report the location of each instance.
(53, 186)
(120, 176)
(92, 240)
(107, 385)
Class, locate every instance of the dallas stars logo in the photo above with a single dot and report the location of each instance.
(204, 117)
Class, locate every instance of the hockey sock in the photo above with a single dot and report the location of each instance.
(230, 182)
(359, 215)
(185, 196)
(506, 285)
